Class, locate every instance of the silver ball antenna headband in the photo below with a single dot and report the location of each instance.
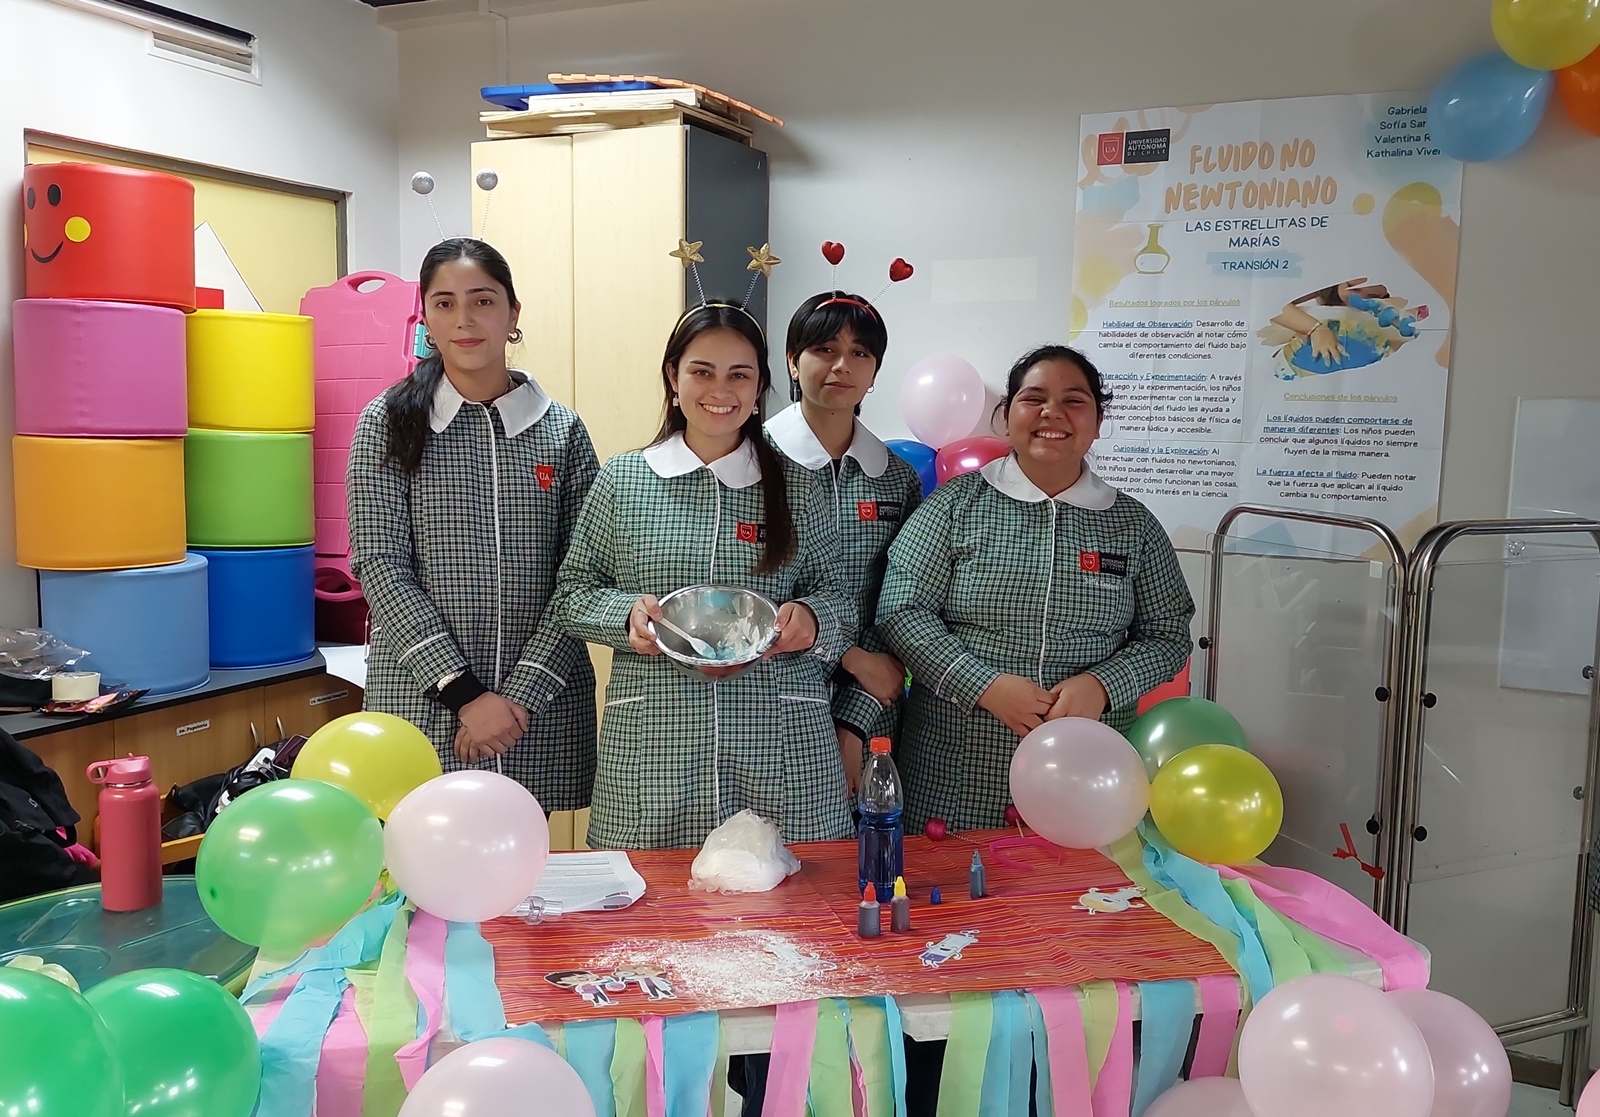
(422, 183)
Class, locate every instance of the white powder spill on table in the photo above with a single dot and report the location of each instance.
(734, 969)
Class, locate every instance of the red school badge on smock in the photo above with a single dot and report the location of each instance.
(867, 511)
(1089, 562)
(752, 533)
(546, 475)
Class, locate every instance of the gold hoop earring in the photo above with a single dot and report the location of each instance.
(514, 337)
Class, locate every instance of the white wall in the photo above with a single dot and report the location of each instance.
(945, 130)
(323, 114)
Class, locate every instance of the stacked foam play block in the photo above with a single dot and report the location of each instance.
(248, 468)
(101, 410)
(365, 325)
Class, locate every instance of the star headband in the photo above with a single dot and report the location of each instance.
(899, 272)
(486, 180)
(762, 261)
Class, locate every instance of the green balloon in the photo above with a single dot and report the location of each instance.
(1169, 727)
(55, 1054)
(186, 1045)
(288, 863)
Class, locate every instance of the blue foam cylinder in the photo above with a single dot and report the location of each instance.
(263, 610)
(144, 628)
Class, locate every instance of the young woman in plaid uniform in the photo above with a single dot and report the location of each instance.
(835, 347)
(464, 484)
(711, 501)
(1027, 591)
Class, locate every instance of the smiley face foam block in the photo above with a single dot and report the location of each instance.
(114, 234)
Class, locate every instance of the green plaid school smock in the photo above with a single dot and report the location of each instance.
(991, 577)
(679, 755)
(459, 562)
(872, 492)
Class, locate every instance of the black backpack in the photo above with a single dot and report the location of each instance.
(33, 811)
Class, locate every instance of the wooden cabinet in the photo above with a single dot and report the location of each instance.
(70, 753)
(195, 739)
(306, 705)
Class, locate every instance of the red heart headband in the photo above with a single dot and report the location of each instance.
(899, 272)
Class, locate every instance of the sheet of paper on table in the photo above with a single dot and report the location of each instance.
(347, 662)
(602, 880)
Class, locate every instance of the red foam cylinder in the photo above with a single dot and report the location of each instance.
(111, 234)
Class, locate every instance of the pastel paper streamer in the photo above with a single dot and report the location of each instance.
(1016, 1006)
(655, 1068)
(869, 1046)
(476, 1010)
(794, 1037)
(357, 942)
(1099, 1023)
(1330, 911)
(590, 1044)
(1286, 956)
(1113, 1089)
(965, 1055)
(1201, 887)
(342, 1072)
(268, 1012)
(1068, 1050)
(425, 972)
(719, 1078)
(1043, 1099)
(689, 1050)
(1166, 1021)
(1128, 853)
(897, 1052)
(994, 1099)
(292, 1047)
(627, 1069)
(393, 1024)
(1219, 1021)
(832, 1080)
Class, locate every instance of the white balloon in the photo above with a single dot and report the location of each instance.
(1471, 1071)
(1202, 1097)
(1079, 783)
(500, 1078)
(467, 846)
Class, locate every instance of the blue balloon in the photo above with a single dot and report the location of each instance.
(921, 459)
(1487, 107)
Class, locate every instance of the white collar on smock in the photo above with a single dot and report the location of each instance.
(795, 438)
(519, 408)
(1006, 476)
(673, 458)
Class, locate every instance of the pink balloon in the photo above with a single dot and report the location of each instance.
(1327, 1045)
(1202, 1097)
(1079, 783)
(467, 846)
(941, 399)
(966, 455)
(1471, 1071)
(1589, 1100)
(498, 1078)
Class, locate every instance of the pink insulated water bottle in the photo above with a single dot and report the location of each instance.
(130, 834)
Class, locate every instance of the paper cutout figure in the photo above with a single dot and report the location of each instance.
(791, 960)
(1098, 901)
(651, 982)
(593, 988)
(947, 949)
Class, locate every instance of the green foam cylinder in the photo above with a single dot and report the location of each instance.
(248, 489)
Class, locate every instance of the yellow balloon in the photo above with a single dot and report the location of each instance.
(1217, 804)
(1546, 34)
(378, 758)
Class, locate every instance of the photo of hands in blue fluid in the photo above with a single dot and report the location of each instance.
(1368, 326)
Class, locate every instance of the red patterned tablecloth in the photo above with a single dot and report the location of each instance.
(798, 942)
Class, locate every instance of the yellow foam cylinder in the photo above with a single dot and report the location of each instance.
(98, 503)
(250, 372)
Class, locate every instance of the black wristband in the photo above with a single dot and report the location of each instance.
(460, 690)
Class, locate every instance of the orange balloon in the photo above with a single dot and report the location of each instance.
(1579, 88)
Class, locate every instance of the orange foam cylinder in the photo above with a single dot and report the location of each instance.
(98, 503)
(251, 371)
(112, 234)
